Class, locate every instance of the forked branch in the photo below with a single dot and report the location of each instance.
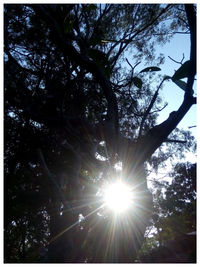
(157, 135)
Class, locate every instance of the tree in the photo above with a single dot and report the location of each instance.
(68, 104)
(178, 207)
(174, 218)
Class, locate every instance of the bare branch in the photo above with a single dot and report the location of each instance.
(178, 62)
(175, 141)
(150, 107)
(159, 109)
(132, 67)
(181, 32)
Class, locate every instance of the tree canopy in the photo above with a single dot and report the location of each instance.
(174, 218)
(77, 104)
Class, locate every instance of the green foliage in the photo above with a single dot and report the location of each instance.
(149, 244)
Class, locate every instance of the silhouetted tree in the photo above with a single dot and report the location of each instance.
(68, 105)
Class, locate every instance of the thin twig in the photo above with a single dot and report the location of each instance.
(132, 67)
(178, 62)
(175, 141)
(159, 109)
(150, 106)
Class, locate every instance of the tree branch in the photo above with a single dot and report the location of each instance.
(181, 62)
(191, 16)
(150, 107)
(175, 141)
(159, 109)
(13, 60)
(131, 38)
(62, 39)
(157, 135)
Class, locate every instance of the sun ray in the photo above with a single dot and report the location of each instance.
(72, 225)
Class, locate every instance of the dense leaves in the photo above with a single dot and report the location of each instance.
(179, 203)
(174, 216)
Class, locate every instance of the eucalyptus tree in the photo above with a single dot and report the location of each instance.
(73, 110)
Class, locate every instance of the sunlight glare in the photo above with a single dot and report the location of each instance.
(118, 197)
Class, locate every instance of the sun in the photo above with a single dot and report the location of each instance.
(118, 197)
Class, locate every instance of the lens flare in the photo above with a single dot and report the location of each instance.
(118, 197)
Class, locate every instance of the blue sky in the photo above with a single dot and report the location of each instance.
(171, 93)
(179, 45)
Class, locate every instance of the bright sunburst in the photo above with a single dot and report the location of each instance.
(118, 197)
